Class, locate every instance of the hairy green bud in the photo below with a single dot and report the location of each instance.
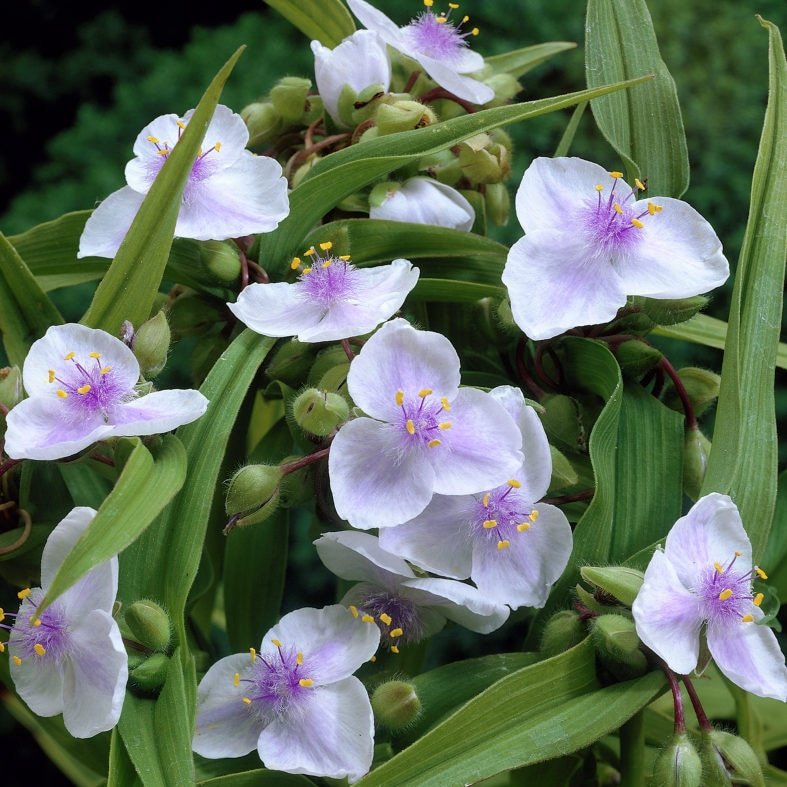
(617, 646)
(506, 88)
(253, 494)
(396, 705)
(723, 750)
(320, 412)
(636, 358)
(484, 161)
(150, 345)
(150, 676)
(263, 121)
(221, 259)
(702, 388)
(288, 97)
(618, 581)
(679, 765)
(10, 386)
(671, 311)
(403, 115)
(562, 631)
(696, 451)
(149, 624)
(498, 203)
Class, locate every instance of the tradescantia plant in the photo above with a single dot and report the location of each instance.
(445, 433)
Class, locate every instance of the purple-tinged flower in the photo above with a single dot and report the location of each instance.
(425, 201)
(331, 300)
(70, 659)
(361, 61)
(590, 242)
(81, 387)
(295, 700)
(230, 192)
(424, 433)
(703, 578)
(513, 547)
(405, 608)
(439, 46)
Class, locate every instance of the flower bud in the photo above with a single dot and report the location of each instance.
(10, 386)
(263, 122)
(403, 115)
(679, 765)
(636, 358)
(562, 631)
(296, 488)
(150, 676)
(617, 646)
(696, 450)
(443, 166)
(253, 494)
(319, 412)
(506, 88)
(292, 361)
(221, 259)
(618, 581)
(149, 624)
(670, 311)
(150, 345)
(288, 97)
(702, 387)
(396, 705)
(732, 756)
(484, 161)
(327, 359)
(498, 203)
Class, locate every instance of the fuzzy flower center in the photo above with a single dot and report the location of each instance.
(203, 165)
(421, 420)
(45, 637)
(86, 386)
(396, 617)
(726, 593)
(325, 280)
(612, 224)
(436, 36)
(502, 515)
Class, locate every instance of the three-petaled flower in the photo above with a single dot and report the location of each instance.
(423, 435)
(70, 658)
(591, 241)
(425, 201)
(331, 300)
(704, 577)
(513, 547)
(230, 192)
(81, 387)
(295, 700)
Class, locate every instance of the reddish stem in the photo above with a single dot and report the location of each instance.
(103, 459)
(6, 466)
(411, 81)
(439, 92)
(348, 351)
(680, 390)
(4, 410)
(699, 711)
(585, 494)
(521, 367)
(677, 699)
(304, 461)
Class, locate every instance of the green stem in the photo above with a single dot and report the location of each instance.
(632, 751)
(749, 724)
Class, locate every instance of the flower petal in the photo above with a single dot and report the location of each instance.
(359, 557)
(94, 684)
(374, 482)
(39, 683)
(276, 309)
(332, 735)
(556, 283)
(426, 201)
(108, 224)
(157, 412)
(668, 616)
(400, 358)
(448, 75)
(226, 726)
(481, 449)
(62, 540)
(372, 19)
(228, 129)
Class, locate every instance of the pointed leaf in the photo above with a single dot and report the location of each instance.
(328, 21)
(520, 61)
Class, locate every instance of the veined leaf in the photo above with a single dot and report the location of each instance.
(520, 61)
(328, 21)
(121, 770)
(258, 778)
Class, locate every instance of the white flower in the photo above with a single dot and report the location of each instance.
(426, 201)
(70, 659)
(590, 242)
(230, 192)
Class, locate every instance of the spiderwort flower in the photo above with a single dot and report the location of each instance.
(425, 201)
(704, 576)
(80, 382)
(295, 700)
(513, 547)
(331, 300)
(230, 192)
(423, 435)
(405, 608)
(359, 62)
(439, 47)
(591, 241)
(70, 659)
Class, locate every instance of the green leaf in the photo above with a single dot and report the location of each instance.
(775, 557)
(643, 124)
(136, 727)
(571, 129)
(743, 462)
(129, 287)
(520, 61)
(258, 778)
(346, 171)
(148, 482)
(328, 21)
(121, 769)
(25, 311)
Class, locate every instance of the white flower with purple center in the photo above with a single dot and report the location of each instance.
(703, 580)
(331, 300)
(230, 192)
(295, 699)
(424, 435)
(81, 387)
(405, 608)
(425, 201)
(436, 43)
(590, 242)
(70, 658)
(513, 547)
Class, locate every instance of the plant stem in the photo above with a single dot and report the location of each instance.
(304, 461)
(677, 699)
(680, 390)
(699, 711)
(632, 751)
(6, 466)
(749, 724)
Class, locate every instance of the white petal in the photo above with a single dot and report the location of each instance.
(426, 201)
(61, 541)
(38, 682)
(373, 481)
(400, 358)
(359, 557)
(448, 76)
(276, 309)
(227, 128)
(164, 128)
(376, 20)
(668, 616)
(157, 412)
(332, 735)
(108, 224)
(556, 282)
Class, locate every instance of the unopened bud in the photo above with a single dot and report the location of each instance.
(670, 311)
(562, 631)
(288, 97)
(297, 487)
(291, 362)
(10, 386)
(506, 88)
(150, 676)
(221, 259)
(403, 115)
(396, 705)
(702, 388)
(696, 451)
(149, 624)
(740, 764)
(253, 494)
(636, 358)
(679, 765)
(484, 161)
(319, 412)
(328, 359)
(355, 108)
(617, 646)
(263, 122)
(498, 203)
(619, 582)
(150, 345)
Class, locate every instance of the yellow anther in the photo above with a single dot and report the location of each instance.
(36, 621)
(105, 370)
(533, 515)
(489, 524)
(434, 443)
(154, 140)
(485, 500)
(367, 619)
(639, 184)
(758, 599)
(394, 633)
(246, 701)
(504, 544)
(651, 209)
(441, 20)
(410, 426)
(725, 594)
(425, 392)
(2, 647)
(327, 264)
(738, 554)
(428, 3)
(307, 271)
(512, 482)
(276, 642)
(615, 174)
(23, 594)
(94, 355)
(523, 527)
(445, 425)
(252, 655)
(325, 246)
(659, 208)
(465, 19)
(475, 31)
(760, 573)
(83, 389)
(344, 257)
(163, 152)
(394, 649)
(296, 263)
(39, 649)
(354, 610)
(236, 679)
(453, 5)
(719, 569)
(386, 618)
(599, 187)
(181, 124)
(399, 398)
(747, 618)
(217, 147)
(2, 614)
(16, 660)
(51, 375)
(305, 682)
(616, 207)
(69, 356)
(445, 404)
(373, 659)
(299, 659)
(637, 223)
(309, 252)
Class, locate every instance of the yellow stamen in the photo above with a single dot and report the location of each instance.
(247, 701)
(394, 649)
(428, 3)
(616, 207)
(659, 208)
(217, 147)
(296, 263)
(615, 174)
(719, 569)
(39, 649)
(276, 642)
(373, 659)
(16, 660)
(105, 370)
(252, 655)
(651, 209)
(181, 124)
(512, 482)
(465, 19)
(738, 554)
(236, 679)
(639, 184)
(489, 524)
(69, 356)
(326, 245)
(164, 152)
(725, 594)
(309, 252)
(445, 425)
(523, 527)
(367, 619)
(504, 544)
(399, 398)
(154, 140)
(51, 375)
(637, 223)
(396, 633)
(327, 263)
(453, 5)
(354, 610)
(747, 618)
(424, 392)
(2, 647)
(475, 31)
(2, 614)
(305, 682)
(83, 389)
(434, 443)
(758, 599)
(533, 515)
(760, 573)
(599, 187)
(23, 594)
(299, 659)
(36, 621)
(307, 271)
(387, 619)
(410, 426)
(441, 20)
(485, 500)
(344, 257)
(445, 404)
(94, 355)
